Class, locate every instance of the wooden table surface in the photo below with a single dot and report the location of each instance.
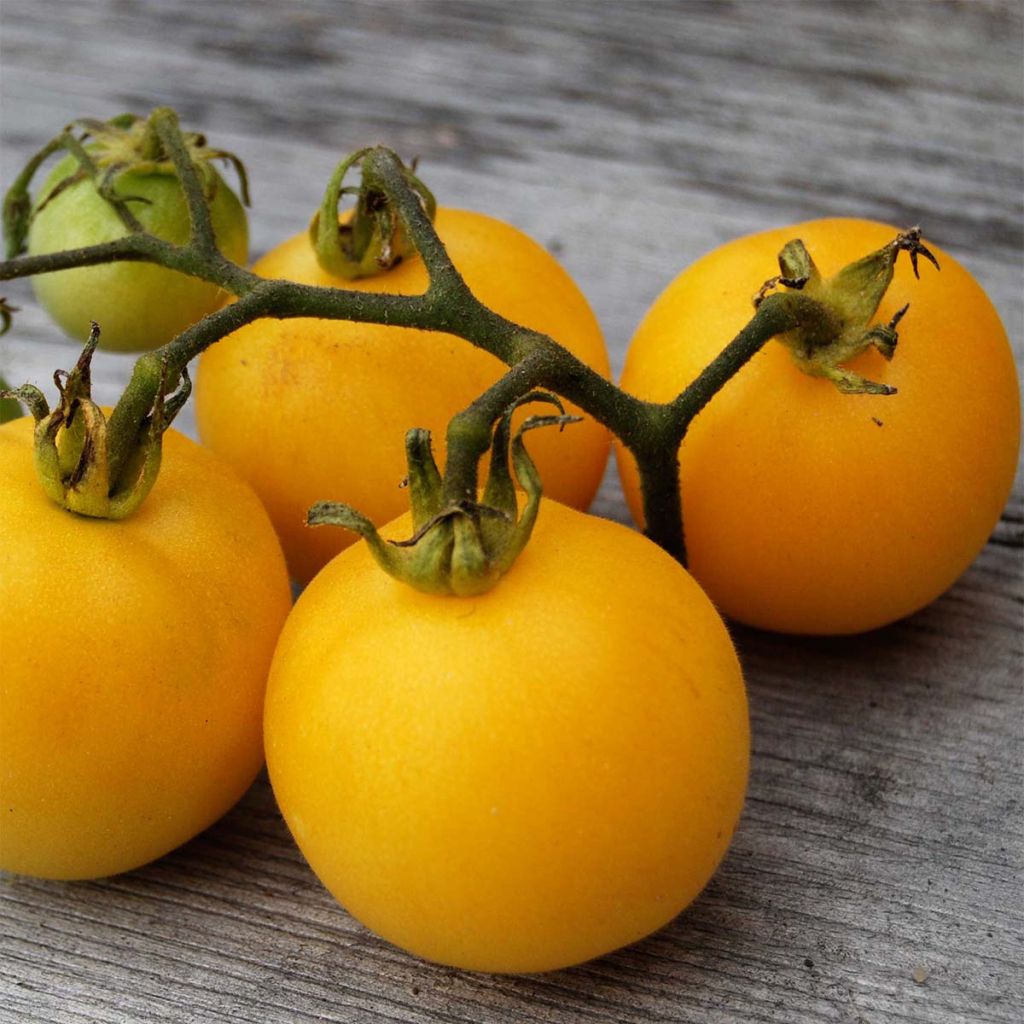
(876, 875)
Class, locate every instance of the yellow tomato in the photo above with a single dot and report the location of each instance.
(134, 662)
(521, 780)
(308, 410)
(812, 511)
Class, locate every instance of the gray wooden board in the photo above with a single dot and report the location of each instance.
(876, 875)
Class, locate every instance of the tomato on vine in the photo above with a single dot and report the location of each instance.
(811, 509)
(136, 639)
(519, 780)
(307, 409)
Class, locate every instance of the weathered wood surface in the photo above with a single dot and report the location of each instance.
(876, 874)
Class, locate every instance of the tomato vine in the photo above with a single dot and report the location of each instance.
(651, 431)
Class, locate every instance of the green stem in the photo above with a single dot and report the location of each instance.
(381, 168)
(662, 501)
(164, 122)
(653, 432)
(131, 248)
(137, 248)
(455, 309)
(778, 313)
(470, 431)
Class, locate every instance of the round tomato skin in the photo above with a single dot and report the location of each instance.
(135, 657)
(308, 410)
(518, 781)
(810, 511)
(137, 305)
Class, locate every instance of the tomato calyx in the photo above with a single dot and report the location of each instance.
(131, 144)
(82, 464)
(370, 239)
(105, 152)
(461, 547)
(842, 307)
(9, 408)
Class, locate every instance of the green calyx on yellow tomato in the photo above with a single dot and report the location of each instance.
(117, 178)
(9, 407)
(82, 464)
(370, 239)
(847, 302)
(461, 547)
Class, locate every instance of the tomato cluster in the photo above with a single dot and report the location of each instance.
(516, 781)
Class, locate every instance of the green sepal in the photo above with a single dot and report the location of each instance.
(128, 144)
(836, 322)
(17, 208)
(529, 479)
(72, 448)
(28, 394)
(9, 406)
(334, 251)
(500, 490)
(372, 239)
(463, 548)
(424, 479)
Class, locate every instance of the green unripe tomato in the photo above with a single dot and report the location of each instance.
(137, 305)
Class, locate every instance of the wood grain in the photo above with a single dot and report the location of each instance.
(876, 876)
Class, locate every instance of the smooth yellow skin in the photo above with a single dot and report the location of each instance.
(811, 511)
(110, 293)
(518, 781)
(310, 410)
(133, 662)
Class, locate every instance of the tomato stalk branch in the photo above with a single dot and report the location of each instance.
(136, 248)
(132, 248)
(777, 314)
(653, 432)
(656, 445)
